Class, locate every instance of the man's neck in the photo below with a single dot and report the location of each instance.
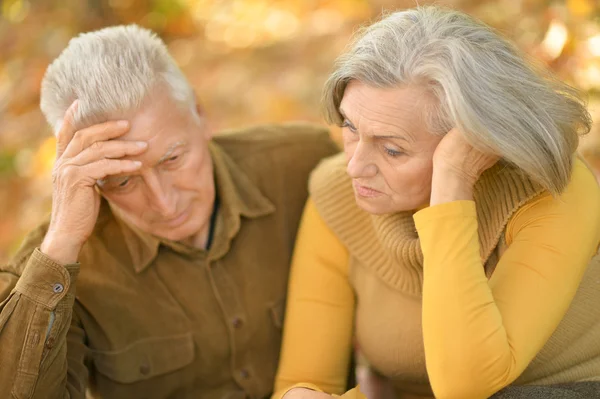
(204, 239)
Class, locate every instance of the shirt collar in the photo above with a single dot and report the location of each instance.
(238, 196)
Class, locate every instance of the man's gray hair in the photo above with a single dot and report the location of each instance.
(479, 82)
(111, 72)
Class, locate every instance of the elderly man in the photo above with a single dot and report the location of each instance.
(162, 270)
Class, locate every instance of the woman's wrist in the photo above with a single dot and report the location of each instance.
(447, 186)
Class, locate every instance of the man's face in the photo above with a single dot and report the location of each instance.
(173, 193)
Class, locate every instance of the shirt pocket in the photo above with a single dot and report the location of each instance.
(145, 359)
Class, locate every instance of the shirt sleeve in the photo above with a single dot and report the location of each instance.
(37, 326)
(480, 335)
(320, 311)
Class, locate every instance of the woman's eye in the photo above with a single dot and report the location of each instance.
(392, 153)
(124, 183)
(347, 124)
(173, 158)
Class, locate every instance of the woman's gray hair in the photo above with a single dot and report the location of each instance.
(480, 83)
(111, 72)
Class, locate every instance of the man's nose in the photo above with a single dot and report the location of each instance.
(162, 197)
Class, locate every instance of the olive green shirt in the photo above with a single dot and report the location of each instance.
(141, 317)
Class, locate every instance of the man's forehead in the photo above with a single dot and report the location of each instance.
(157, 121)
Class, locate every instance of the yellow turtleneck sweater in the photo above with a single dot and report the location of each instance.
(486, 293)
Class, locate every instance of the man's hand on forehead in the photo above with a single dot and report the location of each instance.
(83, 157)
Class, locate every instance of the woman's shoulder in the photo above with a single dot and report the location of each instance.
(583, 182)
(581, 193)
(578, 205)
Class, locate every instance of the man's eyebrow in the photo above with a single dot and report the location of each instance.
(167, 155)
(170, 150)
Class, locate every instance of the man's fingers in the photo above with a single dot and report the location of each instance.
(106, 167)
(67, 130)
(108, 149)
(88, 136)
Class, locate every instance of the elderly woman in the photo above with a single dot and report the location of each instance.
(455, 238)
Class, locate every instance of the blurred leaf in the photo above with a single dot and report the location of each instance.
(580, 8)
(7, 163)
(250, 61)
(168, 8)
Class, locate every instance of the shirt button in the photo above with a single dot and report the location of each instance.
(244, 373)
(237, 322)
(145, 369)
(58, 288)
(50, 342)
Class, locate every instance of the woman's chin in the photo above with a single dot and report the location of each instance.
(371, 206)
(375, 206)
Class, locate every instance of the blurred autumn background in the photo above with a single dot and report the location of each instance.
(251, 61)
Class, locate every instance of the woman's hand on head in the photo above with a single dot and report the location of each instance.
(455, 155)
(456, 167)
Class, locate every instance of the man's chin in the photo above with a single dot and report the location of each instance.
(179, 233)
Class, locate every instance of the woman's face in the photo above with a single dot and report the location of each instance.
(388, 147)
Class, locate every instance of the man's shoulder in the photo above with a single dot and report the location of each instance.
(105, 234)
(278, 159)
(31, 241)
(295, 139)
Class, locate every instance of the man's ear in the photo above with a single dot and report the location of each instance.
(206, 129)
(199, 108)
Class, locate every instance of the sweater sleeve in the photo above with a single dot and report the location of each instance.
(480, 335)
(320, 311)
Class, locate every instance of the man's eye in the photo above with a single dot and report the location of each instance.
(172, 159)
(116, 184)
